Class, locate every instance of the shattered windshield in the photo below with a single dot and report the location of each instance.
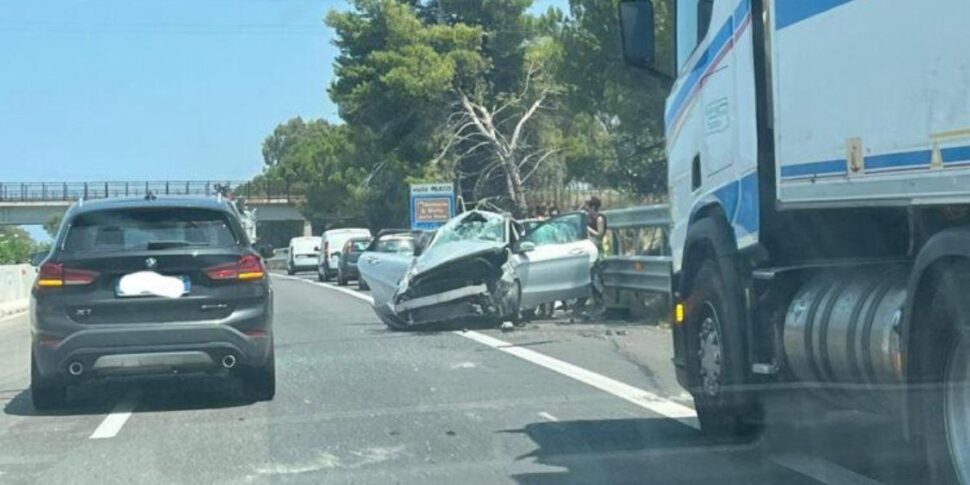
(474, 226)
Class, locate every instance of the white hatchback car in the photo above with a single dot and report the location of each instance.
(302, 254)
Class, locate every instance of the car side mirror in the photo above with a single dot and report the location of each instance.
(637, 33)
(525, 247)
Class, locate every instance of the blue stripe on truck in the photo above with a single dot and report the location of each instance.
(790, 12)
(720, 44)
(887, 162)
(814, 169)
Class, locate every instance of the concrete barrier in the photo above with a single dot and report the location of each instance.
(15, 283)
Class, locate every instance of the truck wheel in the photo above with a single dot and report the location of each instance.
(259, 383)
(717, 355)
(47, 394)
(946, 415)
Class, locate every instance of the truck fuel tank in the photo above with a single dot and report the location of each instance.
(841, 333)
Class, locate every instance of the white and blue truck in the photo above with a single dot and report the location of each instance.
(819, 184)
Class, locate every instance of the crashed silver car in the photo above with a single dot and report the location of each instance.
(481, 265)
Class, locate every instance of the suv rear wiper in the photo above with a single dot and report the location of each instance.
(172, 244)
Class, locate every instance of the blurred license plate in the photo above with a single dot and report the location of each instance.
(137, 289)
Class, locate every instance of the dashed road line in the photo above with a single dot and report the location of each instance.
(113, 422)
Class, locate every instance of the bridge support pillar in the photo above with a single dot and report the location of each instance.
(307, 228)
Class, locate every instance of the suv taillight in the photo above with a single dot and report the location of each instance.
(247, 268)
(55, 275)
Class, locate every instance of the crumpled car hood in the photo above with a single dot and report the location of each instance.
(441, 255)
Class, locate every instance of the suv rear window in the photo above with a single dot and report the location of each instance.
(148, 229)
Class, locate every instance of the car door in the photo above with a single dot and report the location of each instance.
(383, 265)
(558, 268)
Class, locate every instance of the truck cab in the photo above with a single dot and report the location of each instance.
(819, 181)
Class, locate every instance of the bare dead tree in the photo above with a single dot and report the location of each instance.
(500, 132)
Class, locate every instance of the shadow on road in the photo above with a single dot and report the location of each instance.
(847, 447)
(158, 394)
(652, 450)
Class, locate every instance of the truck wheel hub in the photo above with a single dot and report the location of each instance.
(709, 352)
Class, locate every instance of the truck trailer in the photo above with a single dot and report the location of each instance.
(819, 182)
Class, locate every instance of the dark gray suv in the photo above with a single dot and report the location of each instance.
(147, 286)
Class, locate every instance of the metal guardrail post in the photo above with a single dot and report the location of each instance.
(126, 189)
(166, 187)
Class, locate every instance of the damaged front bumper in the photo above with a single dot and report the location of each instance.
(473, 287)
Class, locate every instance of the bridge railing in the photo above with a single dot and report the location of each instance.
(71, 191)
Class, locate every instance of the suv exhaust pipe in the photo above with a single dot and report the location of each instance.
(229, 361)
(75, 368)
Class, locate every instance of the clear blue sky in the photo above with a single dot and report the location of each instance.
(157, 89)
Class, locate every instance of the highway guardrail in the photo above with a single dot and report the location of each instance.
(629, 265)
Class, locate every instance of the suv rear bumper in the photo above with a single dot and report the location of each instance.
(151, 348)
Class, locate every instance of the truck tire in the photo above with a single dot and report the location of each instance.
(945, 411)
(46, 393)
(716, 353)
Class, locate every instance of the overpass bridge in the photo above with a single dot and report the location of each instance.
(33, 203)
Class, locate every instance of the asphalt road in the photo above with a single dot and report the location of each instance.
(357, 403)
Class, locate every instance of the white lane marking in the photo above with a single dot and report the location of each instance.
(113, 422)
(635, 395)
(347, 291)
(822, 470)
(548, 417)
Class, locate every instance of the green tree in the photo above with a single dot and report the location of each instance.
(15, 245)
(614, 126)
(52, 224)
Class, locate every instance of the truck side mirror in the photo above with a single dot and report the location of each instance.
(637, 33)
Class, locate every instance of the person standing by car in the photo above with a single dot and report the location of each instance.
(596, 226)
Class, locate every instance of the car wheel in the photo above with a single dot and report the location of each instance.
(513, 305)
(320, 277)
(716, 356)
(361, 284)
(290, 271)
(341, 281)
(46, 393)
(259, 383)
